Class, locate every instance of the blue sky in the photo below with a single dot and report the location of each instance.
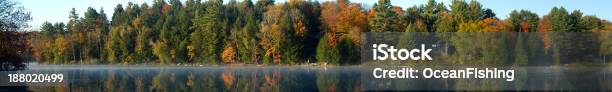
(57, 10)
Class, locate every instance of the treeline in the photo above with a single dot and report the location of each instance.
(264, 32)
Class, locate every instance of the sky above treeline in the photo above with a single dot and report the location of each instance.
(58, 10)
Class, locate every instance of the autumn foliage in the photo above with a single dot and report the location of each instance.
(265, 32)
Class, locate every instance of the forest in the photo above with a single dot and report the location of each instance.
(268, 32)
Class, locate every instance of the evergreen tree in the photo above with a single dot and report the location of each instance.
(383, 19)
(208, 37)
(523, 21)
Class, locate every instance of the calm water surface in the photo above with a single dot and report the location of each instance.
(137, 78)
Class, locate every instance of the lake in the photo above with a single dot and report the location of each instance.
(138, 78)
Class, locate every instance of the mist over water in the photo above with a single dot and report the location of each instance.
(96, 78)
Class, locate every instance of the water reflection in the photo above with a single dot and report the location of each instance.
(208, 79)
(11, 65)
(297, 78)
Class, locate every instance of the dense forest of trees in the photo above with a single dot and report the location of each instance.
(13, 45)
(265, 32)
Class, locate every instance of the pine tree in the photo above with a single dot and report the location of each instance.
(209, 35)
(383, 19)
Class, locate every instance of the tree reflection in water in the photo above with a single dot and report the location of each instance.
(209, 79)
(329, 79)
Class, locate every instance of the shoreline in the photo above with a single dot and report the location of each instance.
(201, 65)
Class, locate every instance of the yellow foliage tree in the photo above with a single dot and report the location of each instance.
(229, 54)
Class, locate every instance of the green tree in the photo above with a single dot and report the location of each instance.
(327, 52)
(383, 18)
(432, 12)
(590, 23)
(463, 12)
(523, 21)
(209, 35)
(560, 21)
